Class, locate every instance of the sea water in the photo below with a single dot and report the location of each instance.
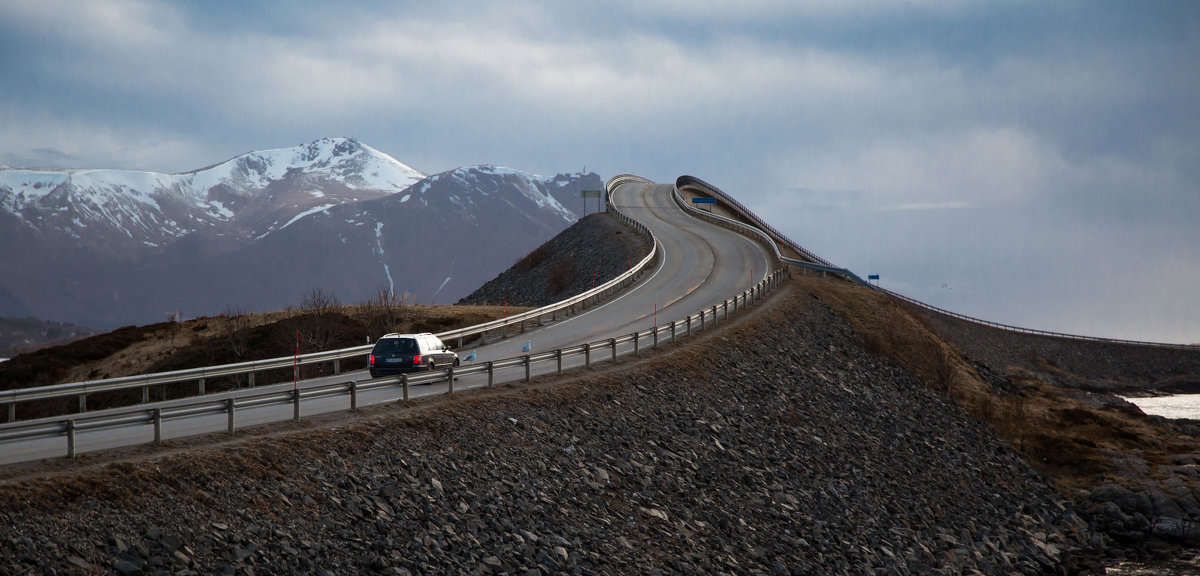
(1178, 406)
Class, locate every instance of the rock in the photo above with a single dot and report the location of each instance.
(127, 568)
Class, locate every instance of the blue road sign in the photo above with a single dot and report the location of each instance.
(700, 200)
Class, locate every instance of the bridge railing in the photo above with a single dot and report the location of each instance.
(693, 182)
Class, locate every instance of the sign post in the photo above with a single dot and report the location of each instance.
(585, 194)
(704, 200)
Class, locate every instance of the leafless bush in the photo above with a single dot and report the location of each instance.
(1017, 419)
(234, 331)
(539, 255)
(318, 320)
(943, 371)
(235, 336)
(560, 277)
(384, 312)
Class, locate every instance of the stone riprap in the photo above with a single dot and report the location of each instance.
(772, 445)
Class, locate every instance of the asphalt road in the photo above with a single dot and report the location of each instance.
(700, 265)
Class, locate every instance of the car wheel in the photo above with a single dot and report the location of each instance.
(456, 361)
(432, 366)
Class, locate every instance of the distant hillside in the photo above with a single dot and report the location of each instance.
(19, 335)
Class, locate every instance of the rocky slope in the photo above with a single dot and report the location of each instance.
(591, 252)
(775, 444)
(1148, 497)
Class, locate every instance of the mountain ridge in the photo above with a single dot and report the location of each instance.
(106, 248)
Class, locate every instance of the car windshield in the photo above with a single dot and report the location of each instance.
(396, 346)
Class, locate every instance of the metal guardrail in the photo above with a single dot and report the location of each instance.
(1018, 329)
(704, 187)
(200, 375)
(739, 227)
(229, 403)
(845, 272)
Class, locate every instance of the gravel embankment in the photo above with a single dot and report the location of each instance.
(787, 450)
(1148, 498)
(591, 252)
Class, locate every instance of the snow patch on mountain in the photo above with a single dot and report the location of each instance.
(489, 180)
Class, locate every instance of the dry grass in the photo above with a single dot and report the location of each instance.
(209, 341)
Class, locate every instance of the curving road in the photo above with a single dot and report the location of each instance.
(700, 265)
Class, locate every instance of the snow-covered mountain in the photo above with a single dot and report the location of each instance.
(105, 247)
(250, 195)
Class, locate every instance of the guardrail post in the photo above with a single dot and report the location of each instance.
(12, 412)
(655, 331)
(702, 320)
(688, 332)
(450, 380)
(82, 403)
(587, 355)
(460, 340)
(231, 405)
(613, 342)
(491, 373)
(636, 352)
(71, 439)
(558, 357)
(251, 375)
(296, 405)
(714, 311)
(145, 394)
(526, 357)
(522, 325)
(725, 305)
(504, 331)
(672, 331)
(337, 366)
(200, 388)
(157, 426)
(404, 385)
(353, 396)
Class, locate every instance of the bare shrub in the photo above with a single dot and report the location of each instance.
(318, 320)
(235, 337)
(560, 277)
(384, 313)
(1017, 420)
(539, 255)
(943, 371)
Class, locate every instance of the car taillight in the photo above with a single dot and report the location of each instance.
(416, 359)
(371, 360)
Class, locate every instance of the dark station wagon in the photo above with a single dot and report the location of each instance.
(396, 353)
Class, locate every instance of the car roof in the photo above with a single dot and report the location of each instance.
(405, 335)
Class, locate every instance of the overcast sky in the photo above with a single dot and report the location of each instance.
(1031, 163)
